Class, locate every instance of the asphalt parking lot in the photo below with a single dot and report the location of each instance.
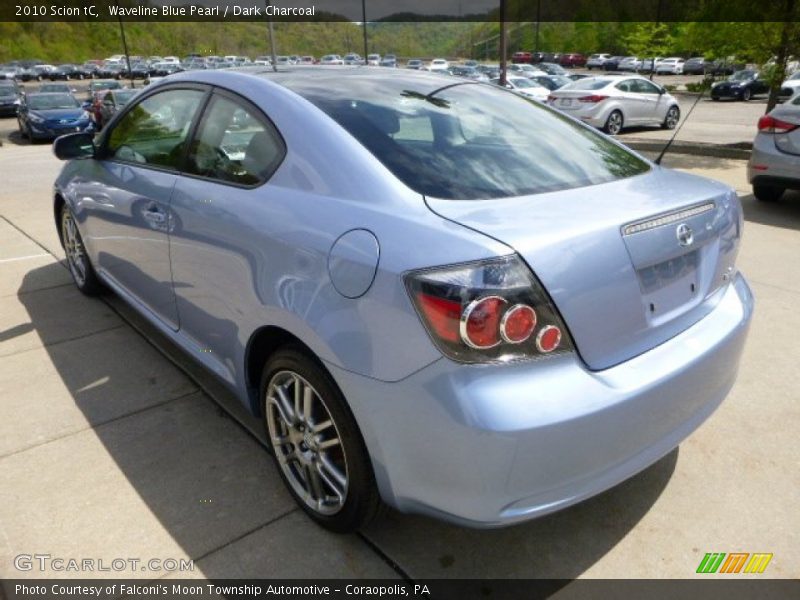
(112, 444)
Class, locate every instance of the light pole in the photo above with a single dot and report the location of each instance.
(125, 47)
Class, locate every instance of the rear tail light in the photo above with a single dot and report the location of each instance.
(769, 124)
(592, 99)
(492, 310)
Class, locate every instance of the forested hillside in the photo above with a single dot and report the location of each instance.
(61, 42)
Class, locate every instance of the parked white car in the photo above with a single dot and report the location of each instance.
(670, 66)
(613, 102)
(373, 60)
(438, 64)
(331, 59)
(526, 87)
(596, 61)
(792, 85)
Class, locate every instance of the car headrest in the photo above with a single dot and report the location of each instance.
(260, 154)
(384, 119)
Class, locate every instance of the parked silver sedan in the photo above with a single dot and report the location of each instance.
(612, 102)
(774, 164)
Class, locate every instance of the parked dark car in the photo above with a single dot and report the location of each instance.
(552, 68)
(723, 67)
(102, 84)
(112, 71)
(551, 82)
(522, 58)
(389, 60)
(572, 60)
(612, 63)
(56, 88)
(47, 116)
(139, 70)
(67, 72)
(696, 65)
(109, 103)
(742, 85)
(40, 72)
(163, 69)
(10, 98)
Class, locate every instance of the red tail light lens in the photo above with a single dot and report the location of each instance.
(769, 124)
(493, 310)
(518, 324)
(548, 339)
(592, 99)
(480, 323)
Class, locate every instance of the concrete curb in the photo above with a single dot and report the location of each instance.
(739, 151)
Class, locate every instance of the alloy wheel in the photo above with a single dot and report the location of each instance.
(614, 123)
(306, 442)
(673, 115)
(73, 247)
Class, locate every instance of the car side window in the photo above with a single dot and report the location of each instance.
(155, 130)
(644, 87)
(624, 86)
(235, 144)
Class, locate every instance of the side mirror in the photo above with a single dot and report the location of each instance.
(74, 145)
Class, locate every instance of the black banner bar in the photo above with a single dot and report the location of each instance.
(749, 587)
(401, 10)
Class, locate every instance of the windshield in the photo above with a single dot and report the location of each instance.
(52, 101)
(742, 76)
(521, 82)
(7, 90)
(469, 141)
(795, 76)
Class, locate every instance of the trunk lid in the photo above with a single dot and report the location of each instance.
(629, 264)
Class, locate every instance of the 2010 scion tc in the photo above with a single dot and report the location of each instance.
(435, 293)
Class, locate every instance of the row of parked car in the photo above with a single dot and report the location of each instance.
(55, 109)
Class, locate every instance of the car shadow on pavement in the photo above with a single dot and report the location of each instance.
(782, 213)
(208, 482)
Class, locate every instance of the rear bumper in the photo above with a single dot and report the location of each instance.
(487, 446)
(770, 166)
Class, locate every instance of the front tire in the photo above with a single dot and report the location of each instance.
(80, 267)
(768, 193)
(614, 123)
(672, 118)
(746, 94)
(316, 443)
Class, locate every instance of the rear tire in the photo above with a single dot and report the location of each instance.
(768, 193)
(326, 468)
(614, 123)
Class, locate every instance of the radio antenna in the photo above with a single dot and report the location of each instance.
(678, 128)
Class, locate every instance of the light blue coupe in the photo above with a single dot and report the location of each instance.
(434, 292)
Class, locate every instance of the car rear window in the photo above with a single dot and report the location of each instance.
(469, 141)
(588, 84)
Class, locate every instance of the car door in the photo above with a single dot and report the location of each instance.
(650, 100)
(126, 199)
(632, 102)
(225, 204)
